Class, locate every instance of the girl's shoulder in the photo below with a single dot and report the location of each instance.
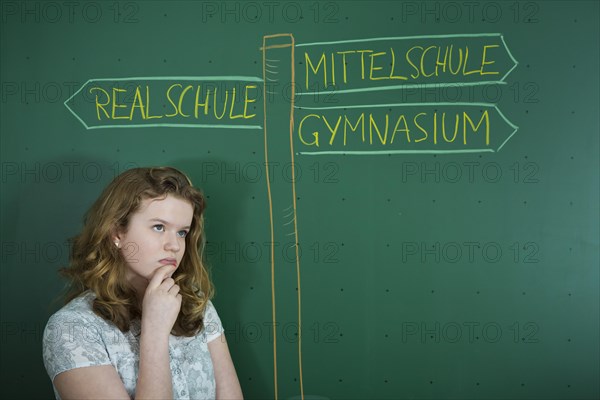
(78, 309)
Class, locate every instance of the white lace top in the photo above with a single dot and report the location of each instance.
(76, 337)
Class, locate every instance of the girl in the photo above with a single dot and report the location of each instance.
(139, 322)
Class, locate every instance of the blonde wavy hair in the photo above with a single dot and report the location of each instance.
(96, 264)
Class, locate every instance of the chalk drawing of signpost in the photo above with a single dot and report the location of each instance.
(210, 103)
(279, 73)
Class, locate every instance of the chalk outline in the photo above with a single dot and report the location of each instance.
(165, 78)
(424, 151)
(423, 85)
(291, 129)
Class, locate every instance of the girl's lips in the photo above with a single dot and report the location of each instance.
(171, 261)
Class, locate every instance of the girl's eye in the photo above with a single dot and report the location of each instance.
(159, 228)
(183, 233)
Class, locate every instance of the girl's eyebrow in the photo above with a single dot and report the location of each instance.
(162, 221)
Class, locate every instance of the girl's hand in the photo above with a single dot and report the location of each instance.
(161, 303)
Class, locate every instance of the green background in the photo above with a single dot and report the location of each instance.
(422, 275)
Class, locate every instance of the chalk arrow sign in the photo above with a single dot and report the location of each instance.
(402, 128)
(178, 101)
(405, 62)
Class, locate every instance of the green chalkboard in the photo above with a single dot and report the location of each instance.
(402, 196)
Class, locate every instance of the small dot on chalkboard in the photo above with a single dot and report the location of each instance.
(27, 57)
(523, 293)
(522, 384)
(210, 61)
(573, 66)
(118, 59)
(477, 383)
(73, 58)
(165, 15)
(433, 291)
(251, 287)
(525, 202)
(163, 150)
(478, 292)
(433, 200)
(568, 340)
(342, 289)
(164, 60)
(431, 382)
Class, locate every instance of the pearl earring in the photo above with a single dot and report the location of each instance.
(117, 243)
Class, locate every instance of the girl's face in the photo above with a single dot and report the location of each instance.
(155, 236)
